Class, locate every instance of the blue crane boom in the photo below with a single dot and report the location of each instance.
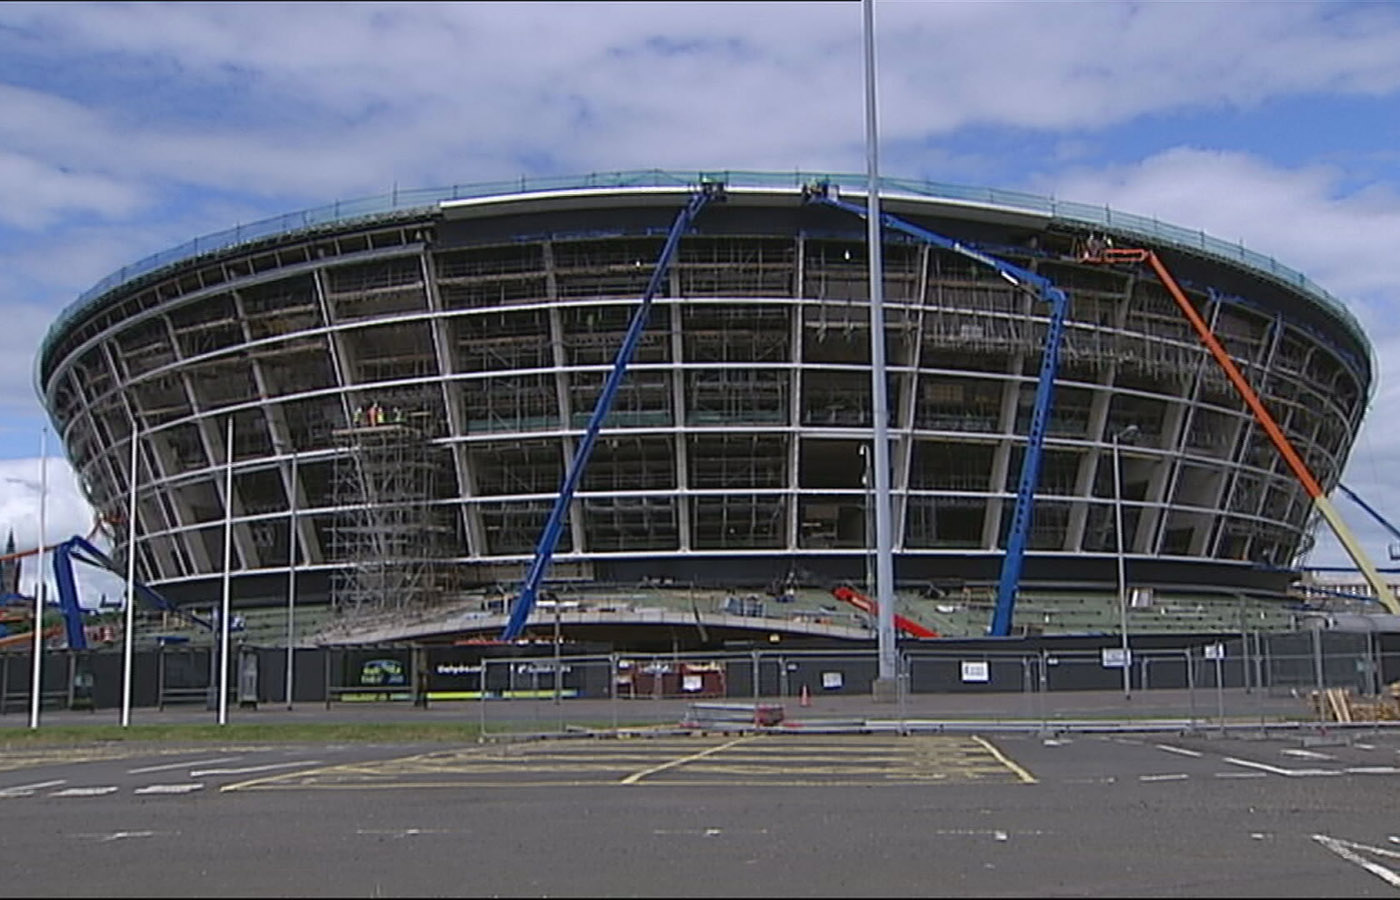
(1375, 514)
(80, 549)
(1045, 290)
(554, 526)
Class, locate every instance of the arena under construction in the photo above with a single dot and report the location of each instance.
(404, 381)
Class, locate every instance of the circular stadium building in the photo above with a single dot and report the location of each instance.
(407, 377)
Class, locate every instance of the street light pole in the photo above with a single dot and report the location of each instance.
(292, 581)
(37, 677)
(128, 633)
(1118, 436)
(228, 563)
(886, 685)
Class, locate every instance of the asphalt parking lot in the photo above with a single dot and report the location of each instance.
(737, 815)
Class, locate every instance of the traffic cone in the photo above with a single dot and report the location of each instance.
(806, 696)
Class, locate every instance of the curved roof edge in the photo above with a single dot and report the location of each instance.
(430, 199)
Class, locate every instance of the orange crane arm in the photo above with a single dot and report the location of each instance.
(1266, 421)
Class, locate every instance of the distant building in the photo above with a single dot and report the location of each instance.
(10, 567)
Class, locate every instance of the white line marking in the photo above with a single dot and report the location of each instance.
(1163, 777)
(24, 790)
(1306, 754)
(404, 832)
(1364, 746)
(169, 788)
(1241, 775)
(1372, 770)
(1182, 750)
(181, 765)
(973, 832)
(85, 791)
(1342, 849)
(1291, 773)
(246, 769)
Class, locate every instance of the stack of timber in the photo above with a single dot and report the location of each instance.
(1343, 705)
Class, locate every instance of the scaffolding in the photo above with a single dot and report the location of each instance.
(385, 538)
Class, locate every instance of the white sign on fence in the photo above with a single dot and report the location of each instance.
(832, 681)
(976, 672)
(1116, 657)
(1215, 651)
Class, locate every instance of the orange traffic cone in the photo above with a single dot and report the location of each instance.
(806, 696)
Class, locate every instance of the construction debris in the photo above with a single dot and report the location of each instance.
(1343, 705)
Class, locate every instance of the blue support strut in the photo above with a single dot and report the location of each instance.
(1046, 291)
(554, 526)
(79, 548)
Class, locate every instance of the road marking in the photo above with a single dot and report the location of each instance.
(86, 791)
(1291, 773)
(1241, 775)
(980, 832)
(1173, 777)
(247, 769)
(637, 776)
(24, 790)
(1372, 770)
(169, 788)
(1306, 754)
(1344, 850)
(1182, 750)
(1026, 777)
(702, 832)
(180, 765)
(405, 832)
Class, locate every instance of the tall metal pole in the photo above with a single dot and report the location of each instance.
(228, 563)
(37, 677)
(128, 635)
(558, 688)
(292, 582)
(884, 561)
(1122, 575)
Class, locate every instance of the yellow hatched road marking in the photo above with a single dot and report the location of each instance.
(637, 776)
(1021, 773)
(747, 759)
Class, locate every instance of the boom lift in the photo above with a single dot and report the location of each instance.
(81, 549)
(549, 538)
(1394, 532)
(1042, 289)
(870, 607)
(1115, 255)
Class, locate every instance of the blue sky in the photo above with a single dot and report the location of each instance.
(126, 129)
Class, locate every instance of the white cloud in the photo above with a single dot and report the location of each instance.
(1303, 217)
(37, 193)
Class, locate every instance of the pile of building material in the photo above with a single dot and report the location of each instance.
(1343, 705)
